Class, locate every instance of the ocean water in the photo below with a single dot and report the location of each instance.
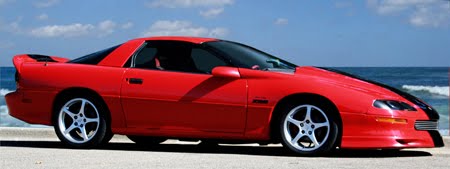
(430, 84)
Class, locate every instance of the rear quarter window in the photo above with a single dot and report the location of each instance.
(94, 58)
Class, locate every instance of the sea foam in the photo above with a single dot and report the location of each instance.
(3, 92)
(440, 90)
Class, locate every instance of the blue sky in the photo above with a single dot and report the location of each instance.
(319, 33)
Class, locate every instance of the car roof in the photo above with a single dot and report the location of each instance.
(197, 40)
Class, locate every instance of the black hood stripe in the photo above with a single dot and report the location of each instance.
(431, 112)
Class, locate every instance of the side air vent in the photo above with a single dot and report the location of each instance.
(426, 125)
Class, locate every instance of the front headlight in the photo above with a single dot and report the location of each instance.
(393, 105)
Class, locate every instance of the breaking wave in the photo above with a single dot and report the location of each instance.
(3, 110)
(3, 92)
(440, 90)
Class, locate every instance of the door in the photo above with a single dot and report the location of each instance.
(169, 88)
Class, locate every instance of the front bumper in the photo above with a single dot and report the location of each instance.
(413, 130)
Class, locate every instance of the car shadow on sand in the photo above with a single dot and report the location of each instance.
(219, 149)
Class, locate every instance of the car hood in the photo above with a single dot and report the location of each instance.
(346, 80)
(358, 83)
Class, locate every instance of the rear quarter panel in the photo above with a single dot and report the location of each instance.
(40, 84)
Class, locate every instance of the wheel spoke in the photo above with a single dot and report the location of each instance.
(83, 104)
(308, 113)
(293, 121)
(313, 138)
(84, 133)
(70, 129)
(319, 125)
(298, 137)
(68, 112)
(90, 120)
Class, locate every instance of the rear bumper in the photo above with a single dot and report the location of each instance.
(32, 107)
(14, 103)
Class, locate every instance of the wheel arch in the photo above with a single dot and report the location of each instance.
(299, 97)
(79, 91)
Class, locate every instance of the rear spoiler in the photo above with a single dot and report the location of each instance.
(18, 60)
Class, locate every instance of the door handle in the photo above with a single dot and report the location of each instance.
(135, 81)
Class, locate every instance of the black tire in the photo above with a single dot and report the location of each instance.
(108, 136)
(328, 141)
(101, 135)
(146, 140)
(208, 143)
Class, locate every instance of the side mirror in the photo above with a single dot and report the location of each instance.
(227, 72)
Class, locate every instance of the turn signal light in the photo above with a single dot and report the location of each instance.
(392, 120)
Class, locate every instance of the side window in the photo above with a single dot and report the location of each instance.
(176, 56)
(205, 61)
(145, 58)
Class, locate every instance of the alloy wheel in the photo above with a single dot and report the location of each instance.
(78, 120)
(306, 128)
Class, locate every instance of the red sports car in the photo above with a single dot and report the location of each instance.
(153, 89)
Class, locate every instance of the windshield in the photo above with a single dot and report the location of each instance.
(248, 57)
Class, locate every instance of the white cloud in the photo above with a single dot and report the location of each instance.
(106, 27)
(391, 6)
(431, 16)
(71, 30)
(422, 13)
(182, 28)
(218, 32)
(102, 29)
(46, 3)
(189, 3)
(127, 25)
(42, 17)
(12, 27)
(281, 21)
(211, 13)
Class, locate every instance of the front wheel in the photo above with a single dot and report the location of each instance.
(308, 129)
(80, 122)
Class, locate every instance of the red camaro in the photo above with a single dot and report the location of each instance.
(152, 89)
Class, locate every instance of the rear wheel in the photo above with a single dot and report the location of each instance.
(308, 129)
(80, 122)
(146, 140)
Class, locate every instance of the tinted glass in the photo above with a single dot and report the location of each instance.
(205, 61)
(145, 58)
(94, 58)
(248, 57)
(176, 56)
